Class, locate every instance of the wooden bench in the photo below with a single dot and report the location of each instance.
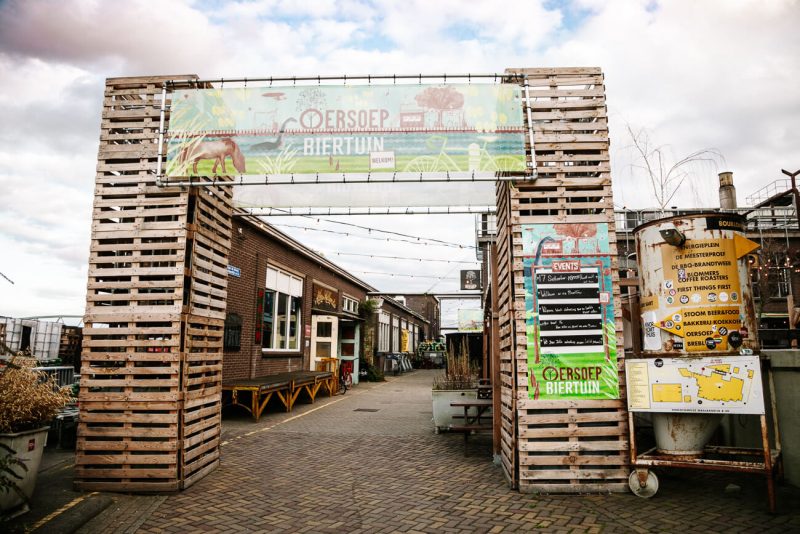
(475, 422)
(285, 386)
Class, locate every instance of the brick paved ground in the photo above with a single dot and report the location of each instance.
(332, 468)
(329, 468)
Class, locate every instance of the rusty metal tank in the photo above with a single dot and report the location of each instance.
(694, 286)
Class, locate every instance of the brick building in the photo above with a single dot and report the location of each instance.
(289, 306)
(396, 327)
(425, 305)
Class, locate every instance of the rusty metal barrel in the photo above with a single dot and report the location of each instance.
(696, 301)
(695, 294)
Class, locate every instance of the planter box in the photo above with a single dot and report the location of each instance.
(28, 446)
(442, 411)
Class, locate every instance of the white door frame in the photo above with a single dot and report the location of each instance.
(333, 339)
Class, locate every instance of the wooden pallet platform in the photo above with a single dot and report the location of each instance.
(150, 391)
(557, 446)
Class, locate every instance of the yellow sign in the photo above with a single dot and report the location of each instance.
(404, 340)
(743, 245)
(702, 272)
(702, 328)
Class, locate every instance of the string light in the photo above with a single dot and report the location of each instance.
(416, 242)
(445, 277)
(370, 229)
(403, 258)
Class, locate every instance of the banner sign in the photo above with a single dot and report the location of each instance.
(471, 279)
(569, 312)
(349, 128)
(725, 384)
(324, 299)
(470, 320)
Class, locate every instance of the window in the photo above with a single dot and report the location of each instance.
(282, 311)
(233, 332)
(395, 334)
(383, 332)
(349, 304)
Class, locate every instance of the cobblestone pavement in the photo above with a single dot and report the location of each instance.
(369, 462)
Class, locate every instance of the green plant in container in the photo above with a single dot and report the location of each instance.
(29, 400)
(459, 382)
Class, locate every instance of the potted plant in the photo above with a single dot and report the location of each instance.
(29, 399)
(458, 383)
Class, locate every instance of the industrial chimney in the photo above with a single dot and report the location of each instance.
(727, 191)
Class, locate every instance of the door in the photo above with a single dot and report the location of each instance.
(324, 334)
(349, 335)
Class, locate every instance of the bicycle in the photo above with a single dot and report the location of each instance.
(345, 376)
(443, 162)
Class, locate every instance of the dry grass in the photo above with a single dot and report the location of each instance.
(459, 373)
(28, 398)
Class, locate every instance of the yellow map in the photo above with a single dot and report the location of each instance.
(718, 385)
(667, 393)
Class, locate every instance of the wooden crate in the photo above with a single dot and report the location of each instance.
(152, 349)
(558, 446)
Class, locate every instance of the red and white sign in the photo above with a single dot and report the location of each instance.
(605, 297)
(552, 248)
(566, 266)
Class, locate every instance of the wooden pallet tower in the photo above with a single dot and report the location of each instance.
(558, 446)
(151, 369)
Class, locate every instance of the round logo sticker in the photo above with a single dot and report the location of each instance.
(710, 345)
(669, 324)
(696, 297)
(669, 284)
(673, 292)
(676, 317)
(735, 339)
(723, 331)
(684, 299)
(723, 297)
(670, 300)
(734, 296)
(712, 297)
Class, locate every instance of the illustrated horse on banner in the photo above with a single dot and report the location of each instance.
(217, 150)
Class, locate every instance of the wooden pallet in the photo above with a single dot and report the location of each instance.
(557, 446)
(151, 372)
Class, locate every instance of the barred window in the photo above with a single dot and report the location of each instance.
(233, 332)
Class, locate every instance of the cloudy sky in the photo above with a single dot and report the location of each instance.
(715, 74)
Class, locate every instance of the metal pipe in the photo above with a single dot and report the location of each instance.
(795, 193)
(532, 163)
(400, 177)
(345, 77)
(161, 122)
(336, 210)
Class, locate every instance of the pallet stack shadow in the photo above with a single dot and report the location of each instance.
(151, 363)
(558, 446)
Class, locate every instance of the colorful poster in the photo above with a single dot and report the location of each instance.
(569, 312)
(726, 384)
(470, 320)
(347, 128)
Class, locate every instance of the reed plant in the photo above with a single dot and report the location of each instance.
(29, 398)
(459, 372)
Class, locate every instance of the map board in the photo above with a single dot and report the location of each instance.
(569, 312)
(728, 384)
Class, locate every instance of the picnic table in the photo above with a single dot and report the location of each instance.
(477, 418)
(253, 394)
